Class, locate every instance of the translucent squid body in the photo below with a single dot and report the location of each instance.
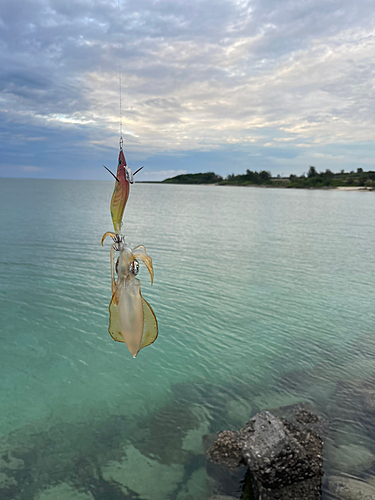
(131, 318)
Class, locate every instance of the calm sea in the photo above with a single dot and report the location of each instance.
(264, 297)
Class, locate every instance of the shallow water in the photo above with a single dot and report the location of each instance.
(264, 298)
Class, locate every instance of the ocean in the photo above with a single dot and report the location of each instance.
(264, 298)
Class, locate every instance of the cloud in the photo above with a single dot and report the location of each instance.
(169, 173)
(197, 76)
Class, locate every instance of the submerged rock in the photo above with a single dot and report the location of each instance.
(354, 403)
(8, 461)
(359, 393)
(174, 431)
(275, 399)
(343, 433)
(8, 486)
(63, 491)
(6, 481)
(351, 458)
(149, 478)
(198, 486)
(222, 497)
(239, 410)
(302, 415)
(347, 488)
(193, 439)
(277, 452)
(226, 481)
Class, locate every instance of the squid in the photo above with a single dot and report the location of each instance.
(131, 318)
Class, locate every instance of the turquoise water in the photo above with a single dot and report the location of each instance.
(264, 298)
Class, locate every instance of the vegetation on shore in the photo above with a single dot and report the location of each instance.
(206, 178)
(313, 179)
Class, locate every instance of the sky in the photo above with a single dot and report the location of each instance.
(206, 85)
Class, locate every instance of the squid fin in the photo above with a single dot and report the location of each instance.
(150, 324)
(114, 328)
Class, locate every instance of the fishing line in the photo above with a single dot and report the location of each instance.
(120, 86)
(119, 77)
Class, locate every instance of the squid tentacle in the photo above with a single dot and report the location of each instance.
(140, 253)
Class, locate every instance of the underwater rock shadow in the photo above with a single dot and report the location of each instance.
(80, 455)
(32, 462)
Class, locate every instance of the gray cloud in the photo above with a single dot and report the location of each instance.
(196, 76)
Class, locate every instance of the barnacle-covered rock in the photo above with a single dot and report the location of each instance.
(277, 452)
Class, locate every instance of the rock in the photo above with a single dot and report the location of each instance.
(226, 450)
(347, 488)
(149, 478)
(351, 458)
(310, 489)
(302, 416)
(277, 452)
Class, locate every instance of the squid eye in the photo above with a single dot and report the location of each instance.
(134, 267)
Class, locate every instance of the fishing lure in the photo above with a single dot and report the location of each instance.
(131, 318)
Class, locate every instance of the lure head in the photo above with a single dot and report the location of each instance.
(121, 192)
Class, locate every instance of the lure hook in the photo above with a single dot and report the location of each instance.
(136, 172)
(111, 173)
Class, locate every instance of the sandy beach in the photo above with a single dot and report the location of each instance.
(353, 188)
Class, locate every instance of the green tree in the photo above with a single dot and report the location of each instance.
(265, 176)
(312, 172)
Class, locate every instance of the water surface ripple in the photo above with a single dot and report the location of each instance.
(264, 298)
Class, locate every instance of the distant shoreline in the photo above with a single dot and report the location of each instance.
(347, 181)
